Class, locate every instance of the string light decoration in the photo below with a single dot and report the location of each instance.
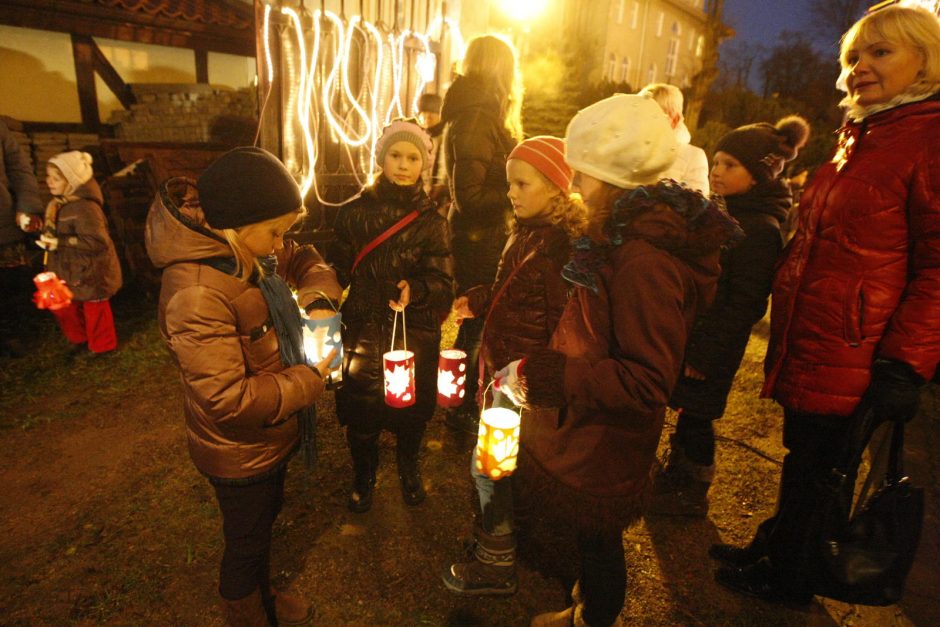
(341, 81)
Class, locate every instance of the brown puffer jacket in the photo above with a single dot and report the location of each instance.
(239, 399)
(85, 257)
(596, 399)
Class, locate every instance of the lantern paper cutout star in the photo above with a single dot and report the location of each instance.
(315, 343)
(398, 380)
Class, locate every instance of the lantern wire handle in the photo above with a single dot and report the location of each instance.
(404, 332)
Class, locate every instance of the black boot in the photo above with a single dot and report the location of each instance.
(406, 453)
(741, 556)
(365, 455)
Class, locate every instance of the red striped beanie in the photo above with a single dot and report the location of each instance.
(547, 155)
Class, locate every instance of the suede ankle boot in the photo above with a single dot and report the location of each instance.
(291, 610)
(246, 612)
(490, 568)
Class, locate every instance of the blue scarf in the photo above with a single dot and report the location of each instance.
(289, 328)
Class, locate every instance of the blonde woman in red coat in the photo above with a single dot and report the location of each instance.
(855, 320)
(594, 400)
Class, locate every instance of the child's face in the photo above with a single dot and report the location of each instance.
(427, 119)
(266, 237)
(530, 194)
(402, 164)
(728, 176)
(57, 184)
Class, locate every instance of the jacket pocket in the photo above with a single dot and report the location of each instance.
(261, 349)
(853, 314)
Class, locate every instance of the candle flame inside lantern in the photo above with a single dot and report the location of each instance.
(498, 442)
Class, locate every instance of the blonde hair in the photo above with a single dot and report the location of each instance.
(913, 26)
(492, 59)
(245, 261)
(668, 97)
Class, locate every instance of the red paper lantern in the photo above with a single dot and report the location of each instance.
(451, 378)
(51, 292)
(399, 378)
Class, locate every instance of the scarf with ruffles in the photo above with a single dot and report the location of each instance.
(708, 228)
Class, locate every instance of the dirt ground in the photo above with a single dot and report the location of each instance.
(104, 520)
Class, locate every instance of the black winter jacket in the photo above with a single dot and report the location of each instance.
(419, 254)
(476, 144)
(720, 336)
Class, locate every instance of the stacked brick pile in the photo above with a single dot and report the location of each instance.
(179, 113)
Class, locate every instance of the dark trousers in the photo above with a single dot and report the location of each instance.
(603, 575)
(18, 316)
(248, 514)
(468, 340)
(696, 436)
(814, 443)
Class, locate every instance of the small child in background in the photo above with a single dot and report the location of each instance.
(429, 118)
(521, 310)
(81, 253)
(746, 171)
(406, 267)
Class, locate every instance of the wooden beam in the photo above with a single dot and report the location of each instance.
(95, 20)
(84, 55)
(111, 78)
(202, 65)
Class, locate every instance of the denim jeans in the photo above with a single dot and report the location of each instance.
(495, 500)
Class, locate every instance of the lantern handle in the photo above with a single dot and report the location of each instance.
(404, 332)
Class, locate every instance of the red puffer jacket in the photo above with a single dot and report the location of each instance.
(861, 278)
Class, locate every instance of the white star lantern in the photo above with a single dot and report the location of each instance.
(399, 378)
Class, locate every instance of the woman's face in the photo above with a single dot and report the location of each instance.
(56, 182)
(728, 176)
(593, 192)
(402, 164)
(878, 71)
(266, 237)
(531, 196)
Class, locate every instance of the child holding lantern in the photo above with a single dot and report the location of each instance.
(392, 249)
(521, 310)
(80, 252)
(596, 397)
(229, 318)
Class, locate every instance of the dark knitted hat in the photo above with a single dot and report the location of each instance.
(245, 186)
(764, 149)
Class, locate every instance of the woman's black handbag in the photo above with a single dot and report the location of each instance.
(865, 558)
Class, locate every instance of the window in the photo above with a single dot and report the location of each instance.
(651, 74)
(635, 17)
(671, 57)
(620, 9)
(676, 29)
(611, 71)
(692, 37)
(624, 69)
(659, 24)
(700, 46)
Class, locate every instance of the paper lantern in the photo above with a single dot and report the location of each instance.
(451, 378)
(321, 336)
(399, 378)
(51, 292)
(498, 442)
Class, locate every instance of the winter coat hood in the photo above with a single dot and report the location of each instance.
(915, 93)
(466, 94)
(176, 228)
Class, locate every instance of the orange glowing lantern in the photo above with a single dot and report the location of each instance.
(51, 292)
(451, 378)
(498, 441)
(399, 366)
